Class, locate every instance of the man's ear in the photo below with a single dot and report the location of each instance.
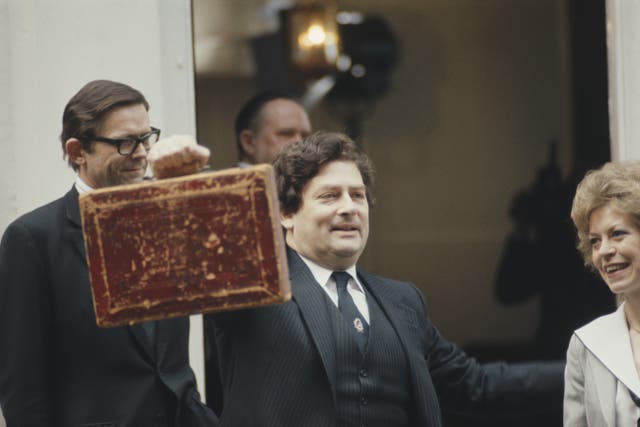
(74, 150)
(286, 221)
(247, 141)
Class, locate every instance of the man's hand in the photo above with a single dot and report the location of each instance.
(177, 155)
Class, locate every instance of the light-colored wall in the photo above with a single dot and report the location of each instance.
(480, 90)
(623, 41)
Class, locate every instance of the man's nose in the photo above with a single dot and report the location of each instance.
(139, 152)
(347, 205)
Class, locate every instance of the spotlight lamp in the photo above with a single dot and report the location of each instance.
(314, 41)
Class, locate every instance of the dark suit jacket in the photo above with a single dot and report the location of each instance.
(57, 368)
(278, 364)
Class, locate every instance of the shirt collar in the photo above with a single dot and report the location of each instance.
(82, 186)
(322, 275)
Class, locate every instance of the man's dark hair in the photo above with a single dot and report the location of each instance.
(249, 115)
(299, 162)
(85, 110)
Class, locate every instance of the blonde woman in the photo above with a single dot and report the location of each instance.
(603, 360)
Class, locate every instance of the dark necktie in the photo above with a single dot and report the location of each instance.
(349, 311)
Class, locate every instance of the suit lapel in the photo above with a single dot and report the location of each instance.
(406, 323)
(72, 208)
(401, 317)
(607, 339)
(309, 297)
(606, 392)
(140, 336)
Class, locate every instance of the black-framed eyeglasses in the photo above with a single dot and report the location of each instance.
(128, 145)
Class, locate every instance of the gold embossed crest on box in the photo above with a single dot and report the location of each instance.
(173, 247)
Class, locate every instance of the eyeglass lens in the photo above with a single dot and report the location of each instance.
(130, 145)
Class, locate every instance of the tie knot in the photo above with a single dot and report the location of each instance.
(341, 278)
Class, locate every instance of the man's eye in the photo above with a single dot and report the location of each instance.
(593, 241)
(327, 196)
(126, 142)
(359, 195)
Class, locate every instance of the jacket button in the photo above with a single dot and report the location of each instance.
(363, 401)
(363, 372)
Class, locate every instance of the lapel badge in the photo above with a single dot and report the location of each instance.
(357, 323)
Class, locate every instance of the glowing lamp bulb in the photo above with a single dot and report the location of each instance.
(316, 34)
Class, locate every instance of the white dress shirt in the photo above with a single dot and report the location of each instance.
(82, 186)
(326, 282)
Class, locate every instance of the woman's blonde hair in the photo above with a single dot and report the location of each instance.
(614, 183)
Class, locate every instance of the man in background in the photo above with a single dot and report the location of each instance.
(265, 124)
(57, 367)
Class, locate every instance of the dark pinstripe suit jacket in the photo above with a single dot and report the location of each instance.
(277, 364)
(57, 368)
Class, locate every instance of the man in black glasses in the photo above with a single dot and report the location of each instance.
(57, 368)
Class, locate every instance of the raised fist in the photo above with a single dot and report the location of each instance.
(177, 155)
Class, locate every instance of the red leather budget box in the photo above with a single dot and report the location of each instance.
(173, 247)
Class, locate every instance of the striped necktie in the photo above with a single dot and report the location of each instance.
(349, 310)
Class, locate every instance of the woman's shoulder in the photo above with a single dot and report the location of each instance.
(603, 324)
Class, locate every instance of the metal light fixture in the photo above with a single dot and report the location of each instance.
(313, 37)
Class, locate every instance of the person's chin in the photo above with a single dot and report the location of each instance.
(628, 286)
(348, 249)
